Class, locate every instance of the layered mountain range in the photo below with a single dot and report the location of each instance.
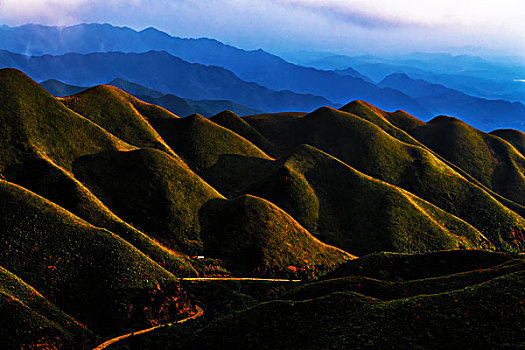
(205, 69)
(107, 201)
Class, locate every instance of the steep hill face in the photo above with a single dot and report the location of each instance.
(514, 137)
(220, 156)
(256, 237)
(29, 319)
(332, 199)
(232, 121)
(166, 198)
(115, 111)
(34, 123)
(492, 161)
(88, 272)
(370, 150)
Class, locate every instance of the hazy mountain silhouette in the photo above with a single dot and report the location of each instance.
(177, 105)
(254, 66)
(159, 71)
(485, 114)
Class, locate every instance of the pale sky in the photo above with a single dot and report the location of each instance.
(352, 26)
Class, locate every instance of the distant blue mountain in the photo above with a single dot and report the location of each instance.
(485, 114)
(253, 66)
(469, 74)
(163, 72)
(177, 105)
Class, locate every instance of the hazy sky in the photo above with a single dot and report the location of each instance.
(353, 26)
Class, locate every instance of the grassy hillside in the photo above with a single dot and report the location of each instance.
(489, 159)
(468, 308)
(370, 150)
(381, 118)
(232, 121)
(200, 142)
(114, 110)
(515, 137)
(392, 290)
(332, 199)
(165, 198)
(38, 145)
(400, 121)
(90, 273)
(29, 319)
(254, 236)
(220, 156)
(52, 182)
(34, 122)
(404, 267)
(484, 315)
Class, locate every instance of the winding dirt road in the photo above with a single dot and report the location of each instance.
(199, 313)
(237, 279)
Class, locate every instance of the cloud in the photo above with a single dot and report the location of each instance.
(55, 12)
(336, 25)
(351, 13)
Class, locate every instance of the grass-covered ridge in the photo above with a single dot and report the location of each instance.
(200, 142)
(489, 159)
(45, 178)
(232, 121)
(90, 273)
(332, 200)
(32, 122)
(514, 137)
(477, 302)
(219, 155)
(255, 237)
(29, 319)
(117, 112)
(166, 196)
(369, 149)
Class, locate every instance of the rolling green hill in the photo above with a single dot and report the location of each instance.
(200, 142)
(165, 199)
(492, 161)
(515, 137)
(116, 111)
(34, 122)
(106, 201)
(332, 199)
(255, 237)
(52, 182)
(220, 156)
(232, 121)
(90, 273)
(369, 149)
(29, 319)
